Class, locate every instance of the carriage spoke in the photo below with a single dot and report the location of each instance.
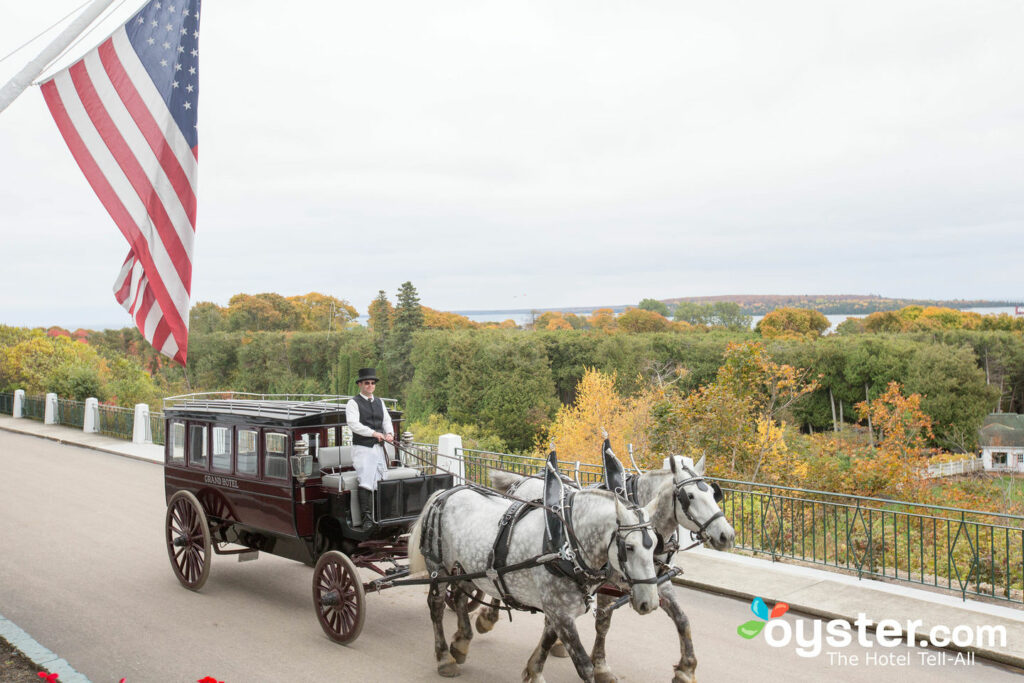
(188, 540)
(338, 597)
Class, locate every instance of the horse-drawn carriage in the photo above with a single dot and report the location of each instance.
(245, 474)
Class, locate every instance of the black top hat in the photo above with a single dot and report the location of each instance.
(367, 373)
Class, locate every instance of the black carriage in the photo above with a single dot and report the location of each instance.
(245, 474)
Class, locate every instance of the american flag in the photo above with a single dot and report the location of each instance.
(127, 111)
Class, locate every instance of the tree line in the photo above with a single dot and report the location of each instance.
(509, 383)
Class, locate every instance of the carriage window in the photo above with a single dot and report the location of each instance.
(332, 436)
(276, 463)
(221, 456)
(197, 447)
(247, 440)
(177, 442)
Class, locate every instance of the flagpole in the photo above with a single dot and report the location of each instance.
(24, 78)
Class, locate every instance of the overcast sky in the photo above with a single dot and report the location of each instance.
(518, 154)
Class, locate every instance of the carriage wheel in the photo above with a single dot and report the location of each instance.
(338, 597)
(188, 540)
(476, 598)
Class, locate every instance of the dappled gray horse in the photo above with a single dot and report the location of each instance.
(610, 542)
(690, 502)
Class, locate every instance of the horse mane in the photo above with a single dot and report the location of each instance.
(501, 480)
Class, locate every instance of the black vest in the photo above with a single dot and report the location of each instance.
(371, 415)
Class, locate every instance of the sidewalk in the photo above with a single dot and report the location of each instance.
(77, 437)
(815, 592)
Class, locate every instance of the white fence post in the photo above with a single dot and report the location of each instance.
(50, 411)
(91, 418)
(19, 403)
(142, 431)
(448, 459)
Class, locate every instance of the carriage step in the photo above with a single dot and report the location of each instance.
(248, 556)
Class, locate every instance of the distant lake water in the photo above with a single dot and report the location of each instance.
(521, 317)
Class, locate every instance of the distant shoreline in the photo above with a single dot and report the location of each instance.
(760, 304)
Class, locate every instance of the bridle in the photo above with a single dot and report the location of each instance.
(619, 538)
(570, 552)
(683, 499)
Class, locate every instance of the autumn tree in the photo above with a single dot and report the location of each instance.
(551, 320)
(316, 311)
(445, 320)
(261, 312)
(740, 418)
(602, 319)
(637, 320)
(577, 428)
(792, 323)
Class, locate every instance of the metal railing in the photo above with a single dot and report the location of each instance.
(7, 402)
(966, 551)
(70, 412)
(116, 421)
(158, 428)
(420, 455)
(970, 552)
(34, 407)
(477, 463)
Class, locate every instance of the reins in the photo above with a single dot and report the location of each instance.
(569, 553)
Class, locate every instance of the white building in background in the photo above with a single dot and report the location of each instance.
(1001, 440)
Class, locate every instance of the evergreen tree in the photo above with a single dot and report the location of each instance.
(381, 315)
(407, 320)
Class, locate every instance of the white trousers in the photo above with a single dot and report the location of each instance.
(371, 465)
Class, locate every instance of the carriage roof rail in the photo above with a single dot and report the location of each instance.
(281, 405)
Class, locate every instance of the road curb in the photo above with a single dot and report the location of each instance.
(40, 655)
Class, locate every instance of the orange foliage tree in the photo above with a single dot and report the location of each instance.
(792, 323)
(577, 429)
(640, 320)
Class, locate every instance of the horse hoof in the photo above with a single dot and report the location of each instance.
(681, 676)
(484, 625)
(558, 650)
(532, 678)
(604, 677)
(448, 669)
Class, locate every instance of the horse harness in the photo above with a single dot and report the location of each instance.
(561, 554)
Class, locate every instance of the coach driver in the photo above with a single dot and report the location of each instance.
(371, 426)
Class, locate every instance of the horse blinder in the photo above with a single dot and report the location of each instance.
(719, 496)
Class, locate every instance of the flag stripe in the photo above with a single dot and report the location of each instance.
(121, 291)
(146, 126)
(129, 164)
(152, 101)
(112, 187)
(143, 166)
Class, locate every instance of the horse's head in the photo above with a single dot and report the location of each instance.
(696, 503)
(631, 556)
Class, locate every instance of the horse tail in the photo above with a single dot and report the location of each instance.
(416, 561)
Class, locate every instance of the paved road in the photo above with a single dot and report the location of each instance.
(84, 570)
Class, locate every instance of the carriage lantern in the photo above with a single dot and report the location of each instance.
(302, 466)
